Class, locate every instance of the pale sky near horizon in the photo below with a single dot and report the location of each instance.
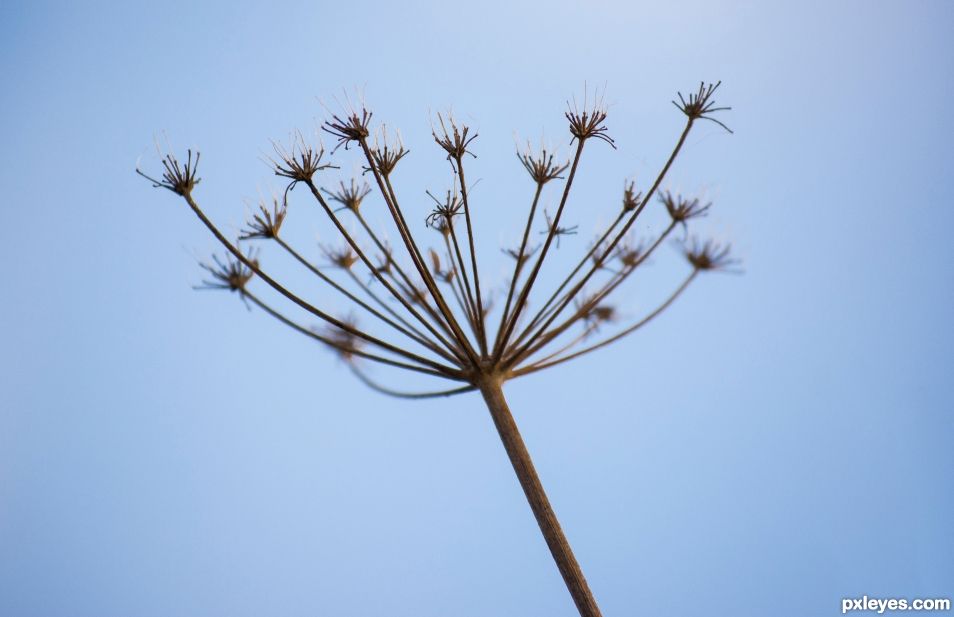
(773, 443)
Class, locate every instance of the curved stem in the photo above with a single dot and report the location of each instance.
(363, 378)
(490, 387)
(334, 345)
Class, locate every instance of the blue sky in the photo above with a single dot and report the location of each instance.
(771, 444)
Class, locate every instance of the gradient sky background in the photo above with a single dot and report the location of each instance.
(773, 443)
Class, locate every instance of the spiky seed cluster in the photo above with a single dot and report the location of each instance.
(708, 254)
(230, 273)
(349, 196)
(354, 127)
(444, 275)
(300, 161)
(682, 209)
(442, 216)
(541, 166)
(558, 231)
(521, 259)
(342, 258)
(385, 157)
(588, 124)
(630, 253)
(342, 340)
(701, 104)
(178, 178)
(385, 260)
(596, 314)
(599, 255)
(454, 141)
(416, 295)
(593, 313)
(266, 222)
(631, 197)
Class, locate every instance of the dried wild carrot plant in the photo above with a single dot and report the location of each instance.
(437, 318)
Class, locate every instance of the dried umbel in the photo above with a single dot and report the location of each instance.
(423, 309)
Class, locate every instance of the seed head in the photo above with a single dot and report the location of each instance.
(442, 217)
(385, 156)
(540, 165)
(353, 127)
(386, 259)
(708, 254)
(588, 122)
(701, 104)
(266, 223)
(630, 253)
(342, 258)
(631, 197)
(445, 275)
(298, 162)
(454, 141)
(230, 273)
(516, 256)
(558, 231)
(682, 209)
(178, 178)
(344, 341)
(350, 197)
(593, 313)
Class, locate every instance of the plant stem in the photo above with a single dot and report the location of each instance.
(490, 387)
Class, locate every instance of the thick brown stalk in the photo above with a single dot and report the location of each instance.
(490, 387)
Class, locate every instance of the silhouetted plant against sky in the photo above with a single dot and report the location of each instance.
(437, 319)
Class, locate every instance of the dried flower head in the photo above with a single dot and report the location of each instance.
(631, 197)
(353, 127)
(298, 162)
(594, 314)
(342, 340)
(178, 178)
(443, 275)
(540, 165)
(454, 141)
(682, 209)
(521, 258)
(349, 196)
(416, 295)
(230, 273)
(343, 257)
(385, 260)
(588, 122)
(558, 231)
(267, 222)
(630, 254)
(708, 254)
(701, 104)
(442, 216)
(385, 156)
